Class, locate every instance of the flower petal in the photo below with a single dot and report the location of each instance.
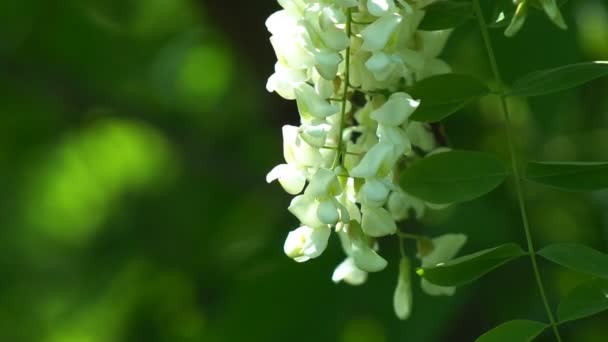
(377, 222)
(306, 243)
(366, 258)
(348, 272)
(445, 248)
(396, 110)
(376, 35)
(305, 209)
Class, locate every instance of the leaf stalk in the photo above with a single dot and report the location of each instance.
(514, 163)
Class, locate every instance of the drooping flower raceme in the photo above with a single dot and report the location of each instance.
(348, 65)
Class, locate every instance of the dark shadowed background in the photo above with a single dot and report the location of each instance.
(135, 136)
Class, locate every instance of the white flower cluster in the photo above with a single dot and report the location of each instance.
(348, 63)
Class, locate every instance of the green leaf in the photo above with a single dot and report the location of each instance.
(453, 176)
(585, 300)
(579, 258)
(443, 95)
(514, 331)
(505, 9)
(445, 14)
(538, 6)
(575, 176)
(470, 267)
(558, 79)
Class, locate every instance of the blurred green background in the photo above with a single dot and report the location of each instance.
(135, 136)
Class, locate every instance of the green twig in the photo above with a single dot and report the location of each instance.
(338, 160)
(515, 165)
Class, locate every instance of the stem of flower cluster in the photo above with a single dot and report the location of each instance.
(339, 153)
(514, 163)
(401, 246)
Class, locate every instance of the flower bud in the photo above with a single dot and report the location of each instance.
(402, 298)
(327, 212)
(374, 192)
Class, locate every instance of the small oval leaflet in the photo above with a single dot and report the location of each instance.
(453, 176)
(445, 14)
(443, 95)
(579, 258)
(468, 268)
(504, 11)
(575, 176)
(587, 299)
(519, 330)
(558, 79)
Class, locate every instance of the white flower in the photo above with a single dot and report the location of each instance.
(297, 151)
(383, 65)
(311, 104)
(377, 161)
(374, 192)
(348, 272)
(305, 208)
(420, 136)
(343, 161)
(433, 42)
(377, 222)
(318, 205)
(284, 80)
(327, 62)
(445, 248)
(289, 40)
(366, 258)
(324, 184)
(376, 36)
(402, 298)
(357, 246)
(400, 203)
(395, 136)
(396, 110)
(291, 178)
(379, 8)
(315, 133)
(306, 243)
